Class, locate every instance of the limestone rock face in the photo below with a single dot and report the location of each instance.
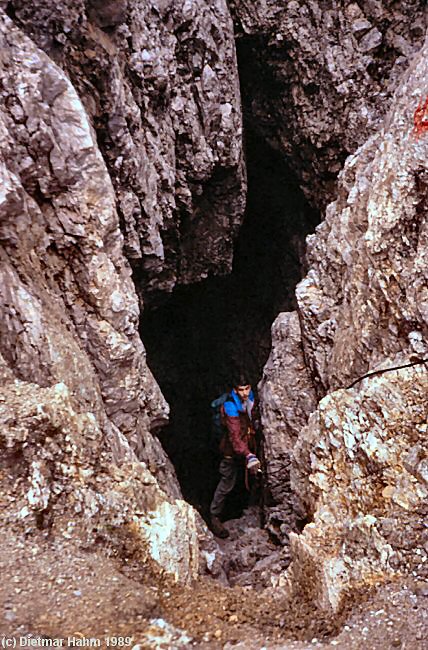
(58, 472)
(321, 75)
(78, 402)
(159, 83)
(359, 465)
(69, 309)
(360, 468)
(365, 298)
(287, 397)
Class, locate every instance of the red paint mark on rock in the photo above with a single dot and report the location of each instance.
(420, 118)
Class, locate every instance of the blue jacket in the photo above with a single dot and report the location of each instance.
(239, 422)
(234, 407)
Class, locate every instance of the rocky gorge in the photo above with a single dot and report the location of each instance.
(187, 188)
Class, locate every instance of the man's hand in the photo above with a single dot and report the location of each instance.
(253, 463)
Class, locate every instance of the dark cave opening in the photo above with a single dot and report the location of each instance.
(205, 332)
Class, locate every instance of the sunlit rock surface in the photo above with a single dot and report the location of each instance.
(359, 466)
(69, 309)
(365, 298)
(160, 85)
(320, 76)
(59, 473)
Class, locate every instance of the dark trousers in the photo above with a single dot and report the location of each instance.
(228, 473)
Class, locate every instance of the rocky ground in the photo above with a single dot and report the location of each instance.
(60, 589)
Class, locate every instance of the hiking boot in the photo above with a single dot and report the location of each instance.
(218, 529)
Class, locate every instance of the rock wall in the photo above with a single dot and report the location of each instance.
(358, 467)
(69, 309)
(121, 132)
(78, 402)
(59, 475)
(159, 83)
(287, 396)
(320, 75)
(360, 471)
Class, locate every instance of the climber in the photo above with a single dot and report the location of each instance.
(237, 445)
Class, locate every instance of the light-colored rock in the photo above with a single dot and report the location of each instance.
(78, 400)
(160, 634)
(364, 299)
(59, 473)
(163, 529)
(353, 473)
(359, 464)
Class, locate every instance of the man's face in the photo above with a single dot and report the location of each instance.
(243, 392)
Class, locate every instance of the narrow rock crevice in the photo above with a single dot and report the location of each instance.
(205, 332)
